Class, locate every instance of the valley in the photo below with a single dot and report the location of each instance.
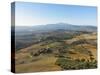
(55, 50)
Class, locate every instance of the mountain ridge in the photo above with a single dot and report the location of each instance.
(50, 27)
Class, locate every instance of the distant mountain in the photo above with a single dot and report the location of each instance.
(57, 26)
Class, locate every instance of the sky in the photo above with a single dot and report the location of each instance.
(31, 14)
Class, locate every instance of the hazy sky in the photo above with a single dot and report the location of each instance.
(29, 14)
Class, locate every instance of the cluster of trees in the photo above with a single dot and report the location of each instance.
(41, 51)
(56, 38)
(69, 64)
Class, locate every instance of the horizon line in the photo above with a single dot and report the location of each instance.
(57, 23)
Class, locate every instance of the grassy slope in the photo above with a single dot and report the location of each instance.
(47, 62)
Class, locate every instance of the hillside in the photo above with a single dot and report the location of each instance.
(55, 50)
(57, 26)
(24, 34)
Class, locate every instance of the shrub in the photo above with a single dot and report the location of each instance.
(67, 64)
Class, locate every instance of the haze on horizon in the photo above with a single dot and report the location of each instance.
(31, 14)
